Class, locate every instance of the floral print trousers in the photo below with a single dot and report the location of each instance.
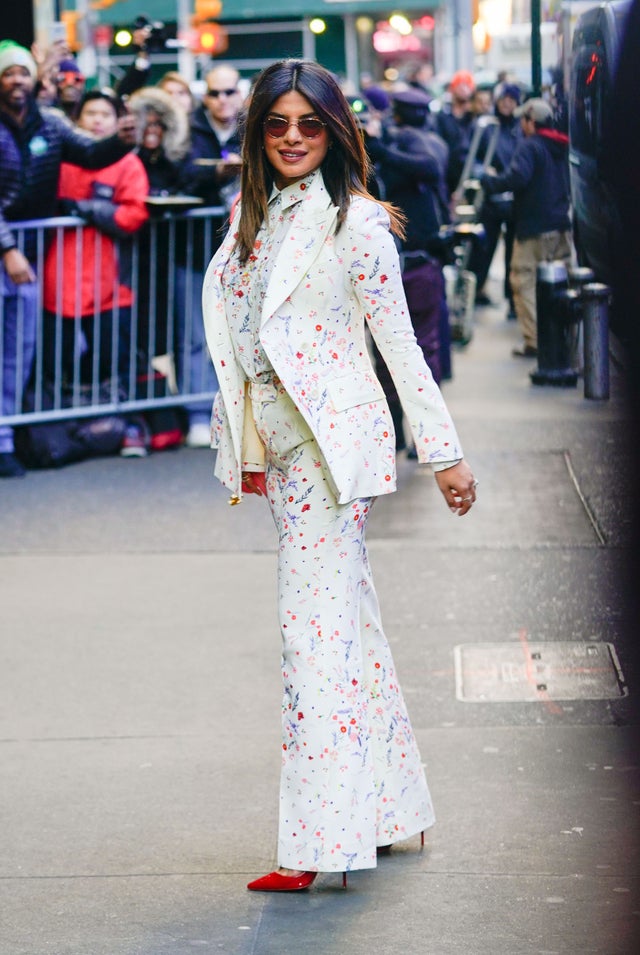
(352, 778)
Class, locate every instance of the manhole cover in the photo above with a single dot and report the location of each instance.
(523, 672)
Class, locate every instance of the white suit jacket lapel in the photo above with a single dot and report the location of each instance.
(306, 238)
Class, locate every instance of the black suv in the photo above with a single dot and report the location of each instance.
(596, 41)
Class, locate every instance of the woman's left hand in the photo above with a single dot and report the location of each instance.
(458, 486)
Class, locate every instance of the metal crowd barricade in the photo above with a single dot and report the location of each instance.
(160, 326)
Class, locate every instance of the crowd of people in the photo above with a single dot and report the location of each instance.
(422, 149)
(102, 154)
(66, 153)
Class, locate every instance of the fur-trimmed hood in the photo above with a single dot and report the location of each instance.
(151, 99)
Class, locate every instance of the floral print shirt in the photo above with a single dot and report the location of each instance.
(245, 285)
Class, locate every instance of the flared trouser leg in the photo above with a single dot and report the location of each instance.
(351, 773)
(403, 802)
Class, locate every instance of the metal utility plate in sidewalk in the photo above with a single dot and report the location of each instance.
(520, 672)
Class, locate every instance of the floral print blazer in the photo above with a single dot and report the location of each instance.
(322, 290)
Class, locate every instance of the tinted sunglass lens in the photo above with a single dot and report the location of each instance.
(276, 127)
(310, 128)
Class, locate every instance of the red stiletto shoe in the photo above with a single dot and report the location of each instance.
(276, 882)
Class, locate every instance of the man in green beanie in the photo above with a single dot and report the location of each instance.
(33, 144)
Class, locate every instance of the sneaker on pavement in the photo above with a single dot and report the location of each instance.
(10, 466)
(199, 436)
(135, 443)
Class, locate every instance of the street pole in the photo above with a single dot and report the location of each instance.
(463, 56)
(536, 49)
(186, 65)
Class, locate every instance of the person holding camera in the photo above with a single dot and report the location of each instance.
(146, 36)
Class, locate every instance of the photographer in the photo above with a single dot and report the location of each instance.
(147, 37)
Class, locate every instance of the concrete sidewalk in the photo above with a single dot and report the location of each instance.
(139, 699)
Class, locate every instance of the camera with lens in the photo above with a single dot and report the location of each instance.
(155, 33)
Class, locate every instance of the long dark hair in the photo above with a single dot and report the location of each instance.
(345, 167)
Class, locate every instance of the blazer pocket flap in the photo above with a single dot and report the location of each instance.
(355, 389)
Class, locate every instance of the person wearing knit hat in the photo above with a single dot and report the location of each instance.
(455, 122)
(70, 86)
(462, 86)
(33, 144)
(378, 98)
(12, 54)
(507, 91)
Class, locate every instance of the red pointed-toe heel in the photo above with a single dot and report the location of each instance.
(344, 880)
(276, 882)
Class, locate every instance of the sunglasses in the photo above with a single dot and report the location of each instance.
(277, 126)
(217, 93)
(70, 79)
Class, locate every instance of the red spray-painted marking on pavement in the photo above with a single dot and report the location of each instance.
(543, 695)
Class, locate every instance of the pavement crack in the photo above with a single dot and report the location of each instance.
(592, 518)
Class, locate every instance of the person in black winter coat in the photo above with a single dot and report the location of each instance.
(496, 214)
(33, 144)
(538, 176)
(215, 136)
(412, 161)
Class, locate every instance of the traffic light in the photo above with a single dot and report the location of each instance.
(209, 38)
(205, 10)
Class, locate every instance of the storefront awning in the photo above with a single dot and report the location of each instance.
(126, 11)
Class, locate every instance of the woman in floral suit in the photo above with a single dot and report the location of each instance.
(301, 418)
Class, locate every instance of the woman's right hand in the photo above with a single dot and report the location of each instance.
(458, 486)
(254, 482)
